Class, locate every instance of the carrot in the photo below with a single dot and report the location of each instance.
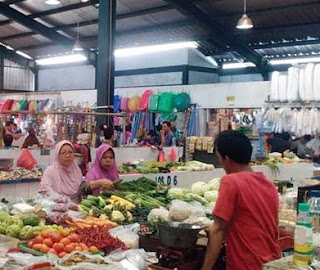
(70, 223)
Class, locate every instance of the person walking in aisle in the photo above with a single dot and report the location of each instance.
(246, 211)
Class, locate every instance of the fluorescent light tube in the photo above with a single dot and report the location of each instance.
(24, 54)
(63, 59)
(237, 65)
(294, 61)
(155, 48)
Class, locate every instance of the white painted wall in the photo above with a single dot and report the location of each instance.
(67, 78)
(246, 95)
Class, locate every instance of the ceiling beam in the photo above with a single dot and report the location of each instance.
(55, 10)
(13, 56)
(218, 35)
(40, 28)
(12, 2)
(290, 43)
(93, 22)
(137, 30)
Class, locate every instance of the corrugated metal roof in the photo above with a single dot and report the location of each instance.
(277, 24)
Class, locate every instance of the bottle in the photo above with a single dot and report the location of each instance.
(314, 204)
(303, 236)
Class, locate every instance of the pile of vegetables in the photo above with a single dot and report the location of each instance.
(205, 193)
(113, 208)
(194, 166)
(22, 227)
(90, 221)
(60, 243)
(100, 237)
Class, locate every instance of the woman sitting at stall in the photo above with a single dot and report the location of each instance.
(104, 170)
(63, 176)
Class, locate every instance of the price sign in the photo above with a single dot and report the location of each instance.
(170, 180)
(231, 98)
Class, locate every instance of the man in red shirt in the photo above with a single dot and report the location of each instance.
(246, 211)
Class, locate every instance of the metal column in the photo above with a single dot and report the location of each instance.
(1, 73)
(105, 61)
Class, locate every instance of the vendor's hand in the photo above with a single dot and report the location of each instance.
(162, 132)
(106, 184)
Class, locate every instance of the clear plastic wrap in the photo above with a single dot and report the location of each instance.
(127, 235)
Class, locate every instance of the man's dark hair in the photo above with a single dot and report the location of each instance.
(108, 133)
(7, 140)
(8, 123)
(152, 133)
(167, 122)
(103, 127)
(286, 136)
(234, 145)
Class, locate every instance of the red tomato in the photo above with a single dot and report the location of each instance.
(37, 247)
(62, 254)
(65, 241)
(58, 247)
(74, 238)
(52, 251)
(30, 244)
(44, 248)
(48, 242)
(38, 240)
(68, 248)
(56, 238)
(84, 247)
(64, 233)
(45, 234)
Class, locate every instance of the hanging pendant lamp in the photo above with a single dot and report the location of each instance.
(77, 46)
(244, 22)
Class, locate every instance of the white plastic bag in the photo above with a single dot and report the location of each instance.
(283, 80)
(316, 83)
(309, 73)
(274, 95)
(293, 84)
(127, 235)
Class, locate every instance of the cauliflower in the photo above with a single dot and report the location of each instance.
(214, 184)
(211, 206)
(211, 195)
(129, 216)
(199, 188)
(117, 216)
(158, 214)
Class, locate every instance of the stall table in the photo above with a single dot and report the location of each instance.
(281, 264)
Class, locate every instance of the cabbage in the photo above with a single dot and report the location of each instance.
(214, 184)
(177, 193)
(211, 195)
(200, 188)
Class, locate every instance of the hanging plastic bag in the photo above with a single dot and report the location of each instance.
(309, 73)
(15, 105)
(116, 103)
(6, 105)
(274, 95)
(153, 103)
(162, 156)
(166, 102)
(173, 154)
(11, 101)
(124, 104)
(133, 104)
(293, 84)
(26, 160)
(316, 83)
(144, 101)
(283, 81)
(181, 102)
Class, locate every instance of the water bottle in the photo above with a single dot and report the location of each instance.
(314, 204)
(303, 237)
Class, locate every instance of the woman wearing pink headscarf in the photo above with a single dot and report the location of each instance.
(104, 170)
(63, 176)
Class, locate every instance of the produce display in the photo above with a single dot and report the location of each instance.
(21, 173)
(146, 167)
(59, 243)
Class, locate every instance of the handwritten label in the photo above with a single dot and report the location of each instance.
(169, 180)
